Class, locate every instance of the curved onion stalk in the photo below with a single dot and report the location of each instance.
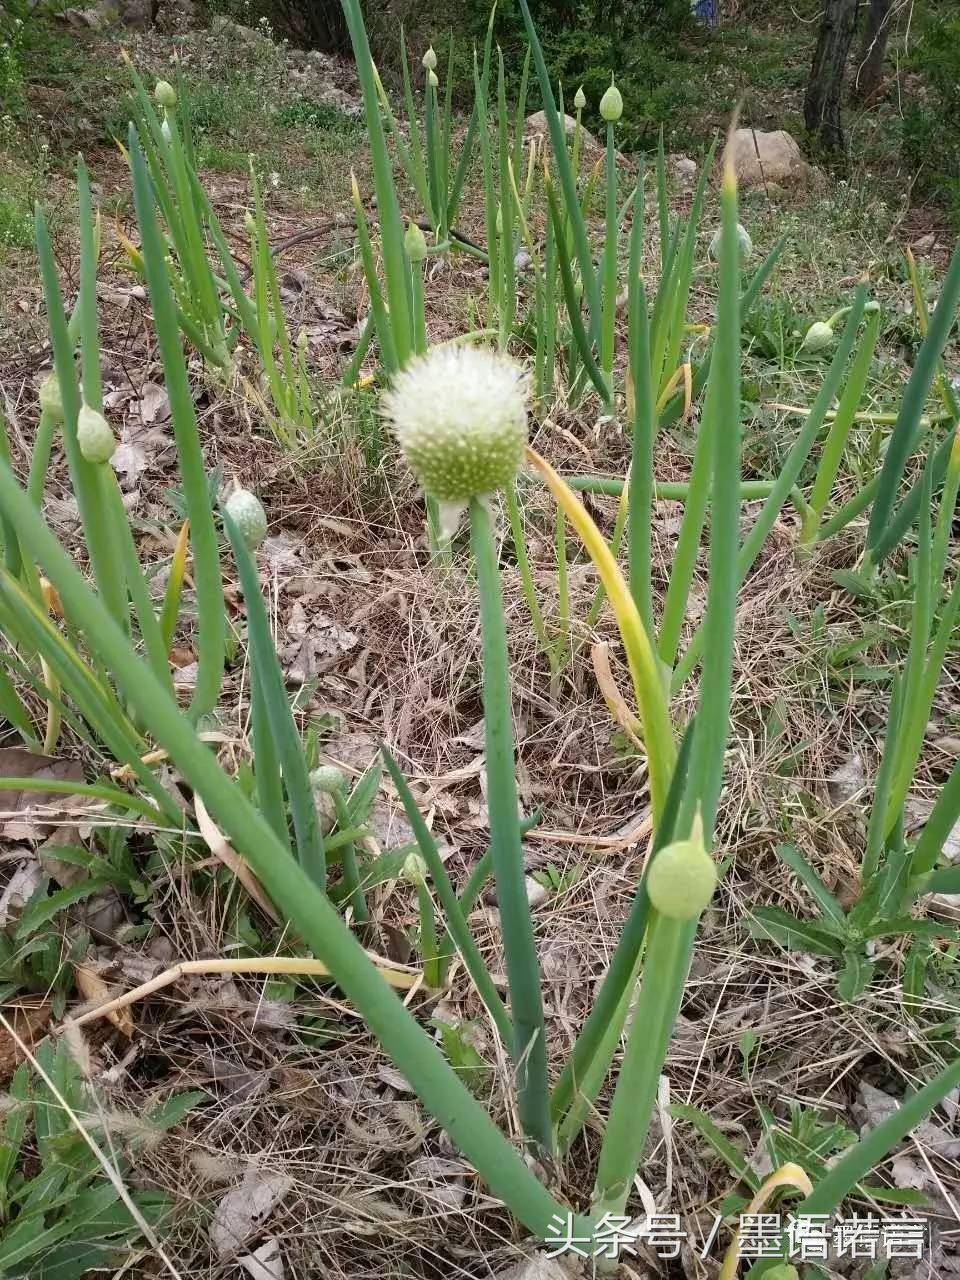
(676, 406)
(645, 668)
(906, 514)
(305, 906)
(203, 536)
(523, 968)
(934, 836)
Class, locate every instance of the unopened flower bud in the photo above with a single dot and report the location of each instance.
(682, 879)
(432, 80)
(429, 60)
(51, 402)
(415, 243)
(250, 222)
(165, 131)
(611, 105)
(96, 440)
(818, 336)
(580, 99)
(247, 513)
(165, 94)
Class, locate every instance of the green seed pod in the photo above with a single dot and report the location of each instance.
(460, 417)
(415, 243)
(818, 336)
(681, 879)
(580, 99)
(611, 105)
(429, 60)
(328, 778)
(51, 402)
(246, 512)
(165, 94)
(96, 440)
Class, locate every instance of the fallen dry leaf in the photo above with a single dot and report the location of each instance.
(17, 808)
(30, 1022)
(220, 847)
(265, 1263)
(847, 781)
(93, 988)
(154, 403)
(19, 889)
(243, 1210)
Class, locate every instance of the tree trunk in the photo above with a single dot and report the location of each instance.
(873, 50)
(824, 100)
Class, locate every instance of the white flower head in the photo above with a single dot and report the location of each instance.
(246, 511)
(460, 417)
(327, 778)
(744, 240)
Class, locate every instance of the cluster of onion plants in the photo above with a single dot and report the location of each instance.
(460, 419)
(215, 307)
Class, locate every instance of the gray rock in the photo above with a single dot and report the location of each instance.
(760, 157)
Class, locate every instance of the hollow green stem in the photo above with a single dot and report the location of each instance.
(523, 968)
